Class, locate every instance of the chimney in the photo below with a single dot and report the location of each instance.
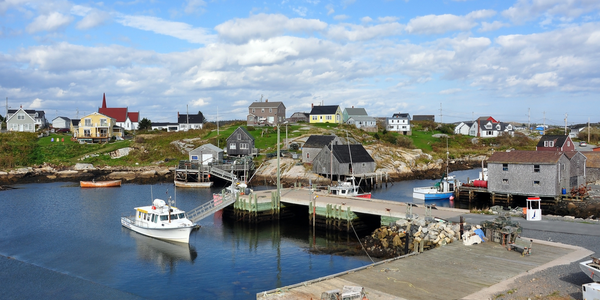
(352, 106)
(177, 116)
(312, 105)
(267, 100)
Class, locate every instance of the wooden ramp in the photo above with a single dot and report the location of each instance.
(453, 271)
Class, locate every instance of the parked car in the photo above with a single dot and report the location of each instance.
(63, 130)
(582, 144)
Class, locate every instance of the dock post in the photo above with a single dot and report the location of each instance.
(493, 198)
(348, 220)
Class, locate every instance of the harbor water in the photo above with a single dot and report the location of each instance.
(77, 232)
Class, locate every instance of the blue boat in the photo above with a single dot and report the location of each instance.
(444, 189)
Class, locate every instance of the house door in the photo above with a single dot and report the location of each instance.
(20, 127)
(207, 158)
(573, 182)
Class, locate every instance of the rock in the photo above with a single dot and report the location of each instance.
(122, 175)
(82, 166)
(147, 174)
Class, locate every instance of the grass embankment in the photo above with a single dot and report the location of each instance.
(157, 147)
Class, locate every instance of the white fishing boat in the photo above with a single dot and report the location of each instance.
(160, 220)
(348, 188)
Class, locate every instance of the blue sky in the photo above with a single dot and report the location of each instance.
(514, 60)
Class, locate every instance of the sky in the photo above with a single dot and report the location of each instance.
(524, 61)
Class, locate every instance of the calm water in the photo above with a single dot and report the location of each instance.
(74, 231)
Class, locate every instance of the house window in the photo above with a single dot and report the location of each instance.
(307, 155)
(194, 157)
(548, 143)
(536, 183)
(505, 181)
(536, 168)
(253, 110)
(103, 122)
(488, 126)
(88, 122)
(244, 146)
(489, 132)
(314, 118)
(232, 146)
(262, 110)
(321, 118)
(568, 144)
(20, 117)
(504, 167)
(87, 133)
(328, 118)
(270, 110)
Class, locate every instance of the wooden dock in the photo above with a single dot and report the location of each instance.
(262, 205)
(454, 271)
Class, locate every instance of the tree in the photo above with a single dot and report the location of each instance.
(145, 124)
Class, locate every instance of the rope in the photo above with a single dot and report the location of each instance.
(363, 247)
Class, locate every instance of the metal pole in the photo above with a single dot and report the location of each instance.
(278, 172)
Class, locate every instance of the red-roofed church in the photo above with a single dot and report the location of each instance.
(124, 119)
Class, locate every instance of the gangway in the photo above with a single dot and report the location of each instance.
(223, 174)
(219, 202)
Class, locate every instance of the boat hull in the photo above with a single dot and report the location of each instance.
(590, 269)
(193, 184)
(96, 184)
(174, 234)
(431, 194)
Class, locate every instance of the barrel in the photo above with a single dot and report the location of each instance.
(480, 183)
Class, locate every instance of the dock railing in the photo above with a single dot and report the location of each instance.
(217, 203)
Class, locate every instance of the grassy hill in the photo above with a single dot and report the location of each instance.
(160, 148)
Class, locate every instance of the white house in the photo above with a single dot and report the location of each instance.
(399, 122)
(488, 127)
(20, 120)
(61, 122)
(463, 128)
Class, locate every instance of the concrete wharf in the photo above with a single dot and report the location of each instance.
(334, 207)
(453, 271)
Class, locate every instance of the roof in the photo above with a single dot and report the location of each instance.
(134, 116)
(324, 109)
(359, 153)
(318, 141)
(242, 129)
(75, 122)
(356, 111)
(593, 159)
(401, 116)
(156, 124)
(570, 154)
(559, 140)
(526, 157)
(117, 113)
(362, 118)
(64, 118)
(266, 104)
(423, 117)
(210, 147)
(194, 119)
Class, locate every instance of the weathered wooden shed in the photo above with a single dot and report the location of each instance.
(578, 170)
(592, 166)
(207, 153)
(343, 160)
(315, 143)
(531, 173)
(240, 143)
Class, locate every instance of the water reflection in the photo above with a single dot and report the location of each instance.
(164, 254)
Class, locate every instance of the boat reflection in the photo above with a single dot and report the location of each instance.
(163, 253)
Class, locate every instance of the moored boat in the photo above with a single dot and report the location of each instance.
(444, 189)
(191, 184)
(95, 184)
(591, 268)
(348, 188)
(160, 221)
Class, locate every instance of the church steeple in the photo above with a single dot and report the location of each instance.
(103, 100)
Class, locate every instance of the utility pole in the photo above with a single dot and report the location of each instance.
(278, 173)
(544, 126)
(187, 116)
(218, 127)
(588, 130)
(565, 124)
(529, 119)
(441, 114)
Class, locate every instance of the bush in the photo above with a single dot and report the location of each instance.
(405, 142)
(250, 128)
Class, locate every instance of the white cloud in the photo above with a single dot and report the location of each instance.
(526, 10)
(200, 102)
(340, 17)
(194, 6)
(485, 26)
(178, 30)
(366, 19)
(51, 22)
(387, 19)
(263, 26)
(450, 91)
(241, 103)
(93, 19)
(330, 9)
(438, 24)
(37, 103)
(300, 10)
(353, 32)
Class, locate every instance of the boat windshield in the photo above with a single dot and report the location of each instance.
(182, 216)
(174, 217)
(164, 217)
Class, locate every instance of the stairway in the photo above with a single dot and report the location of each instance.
(217, 203)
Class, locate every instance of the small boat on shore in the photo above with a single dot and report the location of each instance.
(160, 220)
(591, 268)
(96, 184)
(191, 184)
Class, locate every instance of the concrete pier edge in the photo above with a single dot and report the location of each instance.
(578, 254)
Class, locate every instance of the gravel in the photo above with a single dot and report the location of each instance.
(559, 282)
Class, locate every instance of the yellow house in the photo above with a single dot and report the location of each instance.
(95, 128)
(326, 114)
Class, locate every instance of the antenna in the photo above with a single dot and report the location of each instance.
(528, 119)
(441, 114)
(565, 124)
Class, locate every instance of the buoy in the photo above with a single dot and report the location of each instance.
(451, 198)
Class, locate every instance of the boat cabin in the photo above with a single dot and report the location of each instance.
(159, 213)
